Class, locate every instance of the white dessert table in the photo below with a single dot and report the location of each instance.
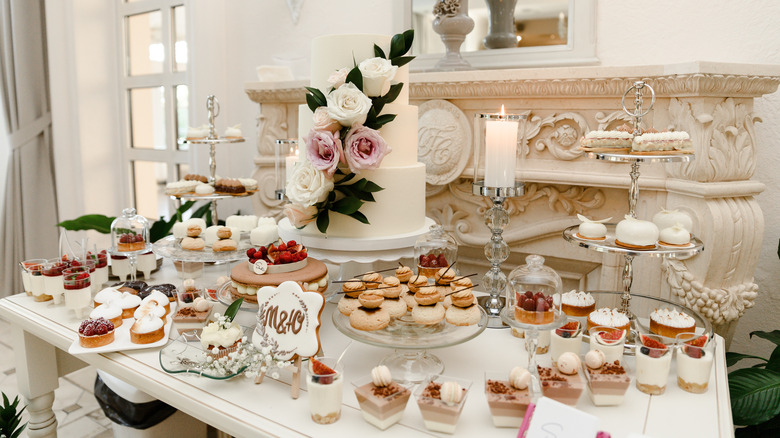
(43, 332)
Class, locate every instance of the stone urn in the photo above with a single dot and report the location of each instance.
(501, 26)
(453, 24)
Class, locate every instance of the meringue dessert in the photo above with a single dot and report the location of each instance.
(636, 234)
(669, 218)
(592, 229)
(675, 235)
(382, 401)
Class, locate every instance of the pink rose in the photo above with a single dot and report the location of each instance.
(323, 149)
(364, 148)
(299, 215)
(323, 122)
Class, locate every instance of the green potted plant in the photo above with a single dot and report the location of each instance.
(10, 418)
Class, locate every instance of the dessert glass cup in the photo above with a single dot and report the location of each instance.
(569, 340)
(146, 264)
(32, 271)
(78, 294)
(606, 389)
(652, 366)
(92, 265)
(185, 298)
(438, 415)
(543, 345)
(694, 363)
(52, 278)
(612, 350)
(325, 392)
(188, 269)
(382, 410)
(120, 267)
(507, 409)
(100, 276)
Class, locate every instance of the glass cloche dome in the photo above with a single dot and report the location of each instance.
(434, 250)
(534, 292)
(129, 232)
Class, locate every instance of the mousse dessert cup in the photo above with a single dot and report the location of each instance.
(543, 342)
(92, 266)
(52, 278)
(382, 401)
(100, 276)
(653, 361)
(26, 277)
(33, 270)
(562, 382)
(607, 382)
(441, 399)
(120, 267)
(508, 396)
(78, 290)
(325, 384)
(565, 338)
(146, 263)
(608, 340)
(695, 354)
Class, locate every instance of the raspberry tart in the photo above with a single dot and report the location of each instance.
(534, 308)
(96, 333)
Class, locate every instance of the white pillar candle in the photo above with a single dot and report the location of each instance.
(501, 152)
(289, 164)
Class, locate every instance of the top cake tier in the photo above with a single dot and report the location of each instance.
(330, 53)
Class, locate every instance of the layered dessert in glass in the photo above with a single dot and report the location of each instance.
(441, 399)
(52, 278)
(78, 293)
(608, 340)
(325, 384)
(607, 381)
(382, 401)
(653, 361)
(695, 355)
(565, 338)
(562, 382)
(508, 399)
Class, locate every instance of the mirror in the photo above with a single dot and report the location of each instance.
(549, 33)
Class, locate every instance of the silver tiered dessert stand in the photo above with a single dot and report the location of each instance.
(608, 245)
(212, 105)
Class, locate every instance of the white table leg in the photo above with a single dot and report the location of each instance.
(36, 374)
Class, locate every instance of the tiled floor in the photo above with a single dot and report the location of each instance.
(77, 411)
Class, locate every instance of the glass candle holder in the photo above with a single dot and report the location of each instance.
(496, 137)
(285, 156)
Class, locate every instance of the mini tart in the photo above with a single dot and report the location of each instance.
(670, 323)
(403, 273)
(427, 295)
(533, 317)
(444, 276)
(166, 289)
(416, 282)
(369, 319)
(150, 307)
(576, 303)
(160, 298)
(109, 312)
(95, 340)
(147, 330)
(608, 317)
(129, 302)
(372, 280)
(106, 295)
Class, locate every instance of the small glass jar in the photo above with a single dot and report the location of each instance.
(130, 232)
(534, 292)
(434, 250)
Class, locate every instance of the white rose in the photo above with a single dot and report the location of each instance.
(307, 185)
(338, 77)
(377, 74)
(348, 105)
(323, 122)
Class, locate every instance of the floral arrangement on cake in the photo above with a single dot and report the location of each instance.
(345, 138)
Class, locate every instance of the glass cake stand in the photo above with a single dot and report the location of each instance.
(609, 245)
(170, 247)
(411, 362)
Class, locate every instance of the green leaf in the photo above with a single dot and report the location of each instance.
(377, 103)
(372, 187)
(397, 46)
(773, 336)
(733, 358)
(360, 184)
(202, 211)
(356, 78)
(311, 103)
(97, 222)
(774, 360)
(378, 52)
(755, 395)
(370, 117)
(766, 429)
(393, 92)
(385, 119)
(318, 96)
(347, 205)
(401, 60)
(360, 217)
(323, 221)
(232, 309)
(408, 39)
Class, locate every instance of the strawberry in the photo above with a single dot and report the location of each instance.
(568, 330)
(651, 347)
(324, 372)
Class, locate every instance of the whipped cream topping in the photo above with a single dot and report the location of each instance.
(519, 377)
(608, 317)
(149, 308)
(577, 298)
(672, 318)
(212, 334)
(568, 363)
(451, 392)
(595, 359)
(609, 134)
(128, 300)
(107, 311)
(182, 184)
(381, 376)
(157, 296)
(147, 324)
(107, 294)
(204, 189)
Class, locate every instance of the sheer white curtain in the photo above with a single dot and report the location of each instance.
(28, 212)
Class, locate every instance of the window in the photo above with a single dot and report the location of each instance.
(154, 98)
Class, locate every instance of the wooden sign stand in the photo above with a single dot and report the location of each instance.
(295, 387)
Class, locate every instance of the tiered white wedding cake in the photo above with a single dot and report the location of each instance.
(400, 206)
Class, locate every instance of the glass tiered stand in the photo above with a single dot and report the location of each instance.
(645, 304)
(212, 106)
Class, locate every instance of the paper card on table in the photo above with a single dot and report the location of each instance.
(289, 320)
(552, 419)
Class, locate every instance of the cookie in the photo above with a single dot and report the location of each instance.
(224, 245)
(369, 319)
(428, 315)
(193, 243)
(408, 298)
(194, 230)
(396, 307)
(391, 287)
(427, 296)
(224, 233)
(463, 315)
(347, 305)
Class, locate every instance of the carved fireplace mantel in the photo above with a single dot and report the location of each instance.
(711, 101)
